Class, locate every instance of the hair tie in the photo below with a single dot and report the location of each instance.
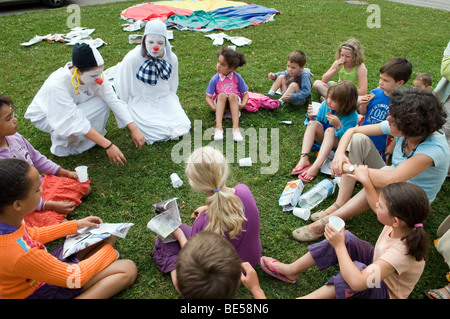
(418, 225)
(216, 190)
(348, 45)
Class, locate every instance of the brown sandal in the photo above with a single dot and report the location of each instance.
(303, 234)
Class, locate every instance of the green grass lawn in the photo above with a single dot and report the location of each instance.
(125, 194)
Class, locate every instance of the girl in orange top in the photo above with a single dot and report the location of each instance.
(27, 270)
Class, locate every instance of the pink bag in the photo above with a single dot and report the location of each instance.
(258, 100)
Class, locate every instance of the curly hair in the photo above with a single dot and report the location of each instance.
(4, 100)
(416, 112)
(234, 59)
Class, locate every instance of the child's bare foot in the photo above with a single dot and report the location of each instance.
(309, 174)
(60, 207)
(441, 293)
(302, 164)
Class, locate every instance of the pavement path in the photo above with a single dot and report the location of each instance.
(16, 9)
(437, 4)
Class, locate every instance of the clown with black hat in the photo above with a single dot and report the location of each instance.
(74, 104)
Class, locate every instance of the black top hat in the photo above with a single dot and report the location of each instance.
(84, 56)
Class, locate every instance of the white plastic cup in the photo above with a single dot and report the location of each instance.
(176, 180)
(315, 108)
(303, 213)
(245, 161)
(336, 222)
(82, 173)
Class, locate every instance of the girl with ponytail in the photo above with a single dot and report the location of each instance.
(229, 211)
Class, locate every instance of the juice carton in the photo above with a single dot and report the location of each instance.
(290, 195)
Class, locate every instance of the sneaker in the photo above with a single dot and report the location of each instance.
(218, 135)
(237, 136)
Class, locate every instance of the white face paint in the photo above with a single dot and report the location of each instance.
(155, 44)
(92, 76)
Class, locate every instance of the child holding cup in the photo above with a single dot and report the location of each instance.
(391, 269)
(336, 115)
(62, 191)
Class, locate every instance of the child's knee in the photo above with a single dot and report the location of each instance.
(318, 83)
(88, 191)
(222, 97)
(313, 124)
(293, 87)
(233, 98)
(130, 270)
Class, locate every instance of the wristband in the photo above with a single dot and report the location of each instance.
(106, 148)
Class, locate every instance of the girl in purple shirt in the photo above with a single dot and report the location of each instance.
(230, 212)
(227, 92)
(61, 194)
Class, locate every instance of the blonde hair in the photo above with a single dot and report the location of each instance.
(207, 171)
(354, 46)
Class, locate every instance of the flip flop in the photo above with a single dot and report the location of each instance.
(300, 176)
(273, 272)
(437, 292)
(298, 171)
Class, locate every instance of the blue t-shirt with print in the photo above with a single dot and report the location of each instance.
(378, 111)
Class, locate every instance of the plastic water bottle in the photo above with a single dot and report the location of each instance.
(317, 194)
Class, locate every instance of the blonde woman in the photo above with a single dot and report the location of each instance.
(348, 66)
(229, 211)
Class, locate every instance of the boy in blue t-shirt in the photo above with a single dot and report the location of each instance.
(375, 106)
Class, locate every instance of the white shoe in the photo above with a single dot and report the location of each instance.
(218, 135)
(237, 136)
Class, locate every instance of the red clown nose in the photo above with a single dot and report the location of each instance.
(99, 81)
(155, 48)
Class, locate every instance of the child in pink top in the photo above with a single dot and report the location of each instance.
(227, 92)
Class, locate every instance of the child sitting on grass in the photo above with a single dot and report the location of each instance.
(28, 270)
(294, 83)
(227, 92)
(62, 191)
(229, 211)
(336, 115)
(391, 269)
(348, 65)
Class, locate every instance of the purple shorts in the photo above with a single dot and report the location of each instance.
(47, 291)
(361, 252)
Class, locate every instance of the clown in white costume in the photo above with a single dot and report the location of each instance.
(147, 80)
(74, 103)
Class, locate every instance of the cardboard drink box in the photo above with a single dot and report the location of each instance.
(290, 195)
